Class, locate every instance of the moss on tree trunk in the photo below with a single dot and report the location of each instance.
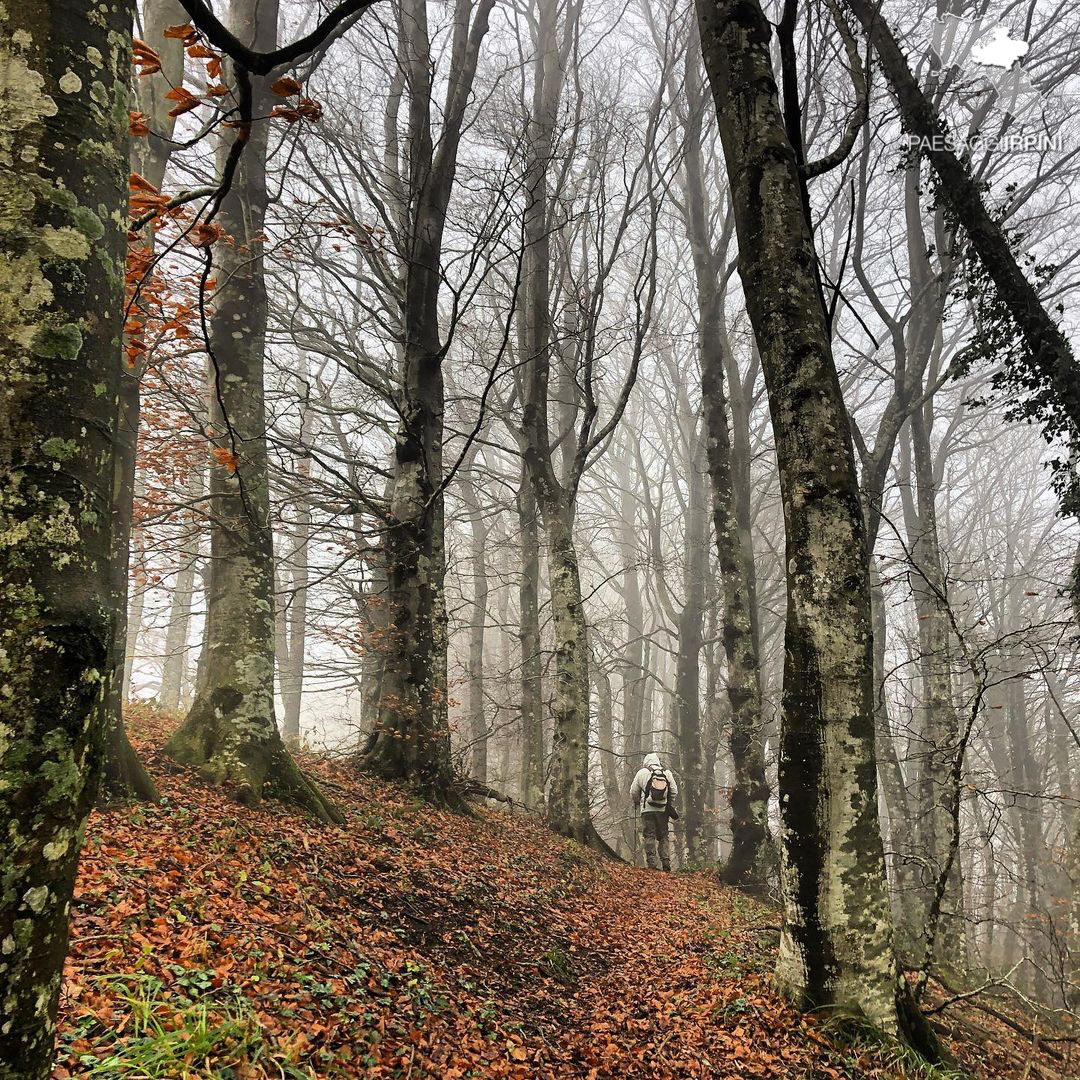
(63, 171)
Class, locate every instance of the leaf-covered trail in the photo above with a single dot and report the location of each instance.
(210, 940)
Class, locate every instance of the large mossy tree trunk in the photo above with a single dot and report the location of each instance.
(63, 187)
(568, 809)
(230, 733)
(836, 945)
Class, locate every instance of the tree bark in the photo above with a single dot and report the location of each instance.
(230, 733)
(688, 658)
(748, 863)
(124, 775)
(176, 637)
(532, 711)
(836, 944)
(63, 172)
(478, 542)
(412, 737)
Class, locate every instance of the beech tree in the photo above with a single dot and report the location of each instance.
(837, 945)
(230, 732)
(63, 175)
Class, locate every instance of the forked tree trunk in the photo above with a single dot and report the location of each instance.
(230, 733)
(412, 737)
(836, 946)
(63, 185)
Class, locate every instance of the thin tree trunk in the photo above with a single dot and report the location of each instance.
(532, 711)
(478, 729)
(748, 863)
(125, 777)
(176, 637)
(688, 657)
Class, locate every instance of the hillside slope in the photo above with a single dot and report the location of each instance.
(211, 940)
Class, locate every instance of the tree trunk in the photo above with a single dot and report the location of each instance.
(940, 723)
(230, 733)
(176, 637)
(63, 256)
(568, 791)
(294, 618)
(688, 657)
(412, 737)
(478, 729)
(836, 946)
(748, 863)
(124, 775)
(532, 705)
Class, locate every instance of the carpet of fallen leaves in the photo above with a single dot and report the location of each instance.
(211, 940)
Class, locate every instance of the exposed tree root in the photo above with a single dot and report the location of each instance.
(248, 759)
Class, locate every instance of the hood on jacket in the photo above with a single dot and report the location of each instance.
(652, 759)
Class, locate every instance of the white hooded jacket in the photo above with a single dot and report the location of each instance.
(641, 782)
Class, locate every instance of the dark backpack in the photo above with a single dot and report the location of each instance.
(657, 790)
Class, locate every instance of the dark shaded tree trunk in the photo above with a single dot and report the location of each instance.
(63, 182)
(836, 947)
(412, 736)
(230, 733)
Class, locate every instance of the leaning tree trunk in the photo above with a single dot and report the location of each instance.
(63, 185)
(230, 733)
(836, 945)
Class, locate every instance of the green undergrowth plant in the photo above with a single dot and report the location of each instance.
(168, 1034)
(857, 1041)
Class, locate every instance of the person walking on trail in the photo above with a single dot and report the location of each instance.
(653, 795)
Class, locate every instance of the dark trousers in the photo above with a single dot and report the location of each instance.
(654, 829)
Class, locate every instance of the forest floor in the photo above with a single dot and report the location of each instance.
(210, 940)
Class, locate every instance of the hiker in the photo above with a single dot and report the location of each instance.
(653, 794)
